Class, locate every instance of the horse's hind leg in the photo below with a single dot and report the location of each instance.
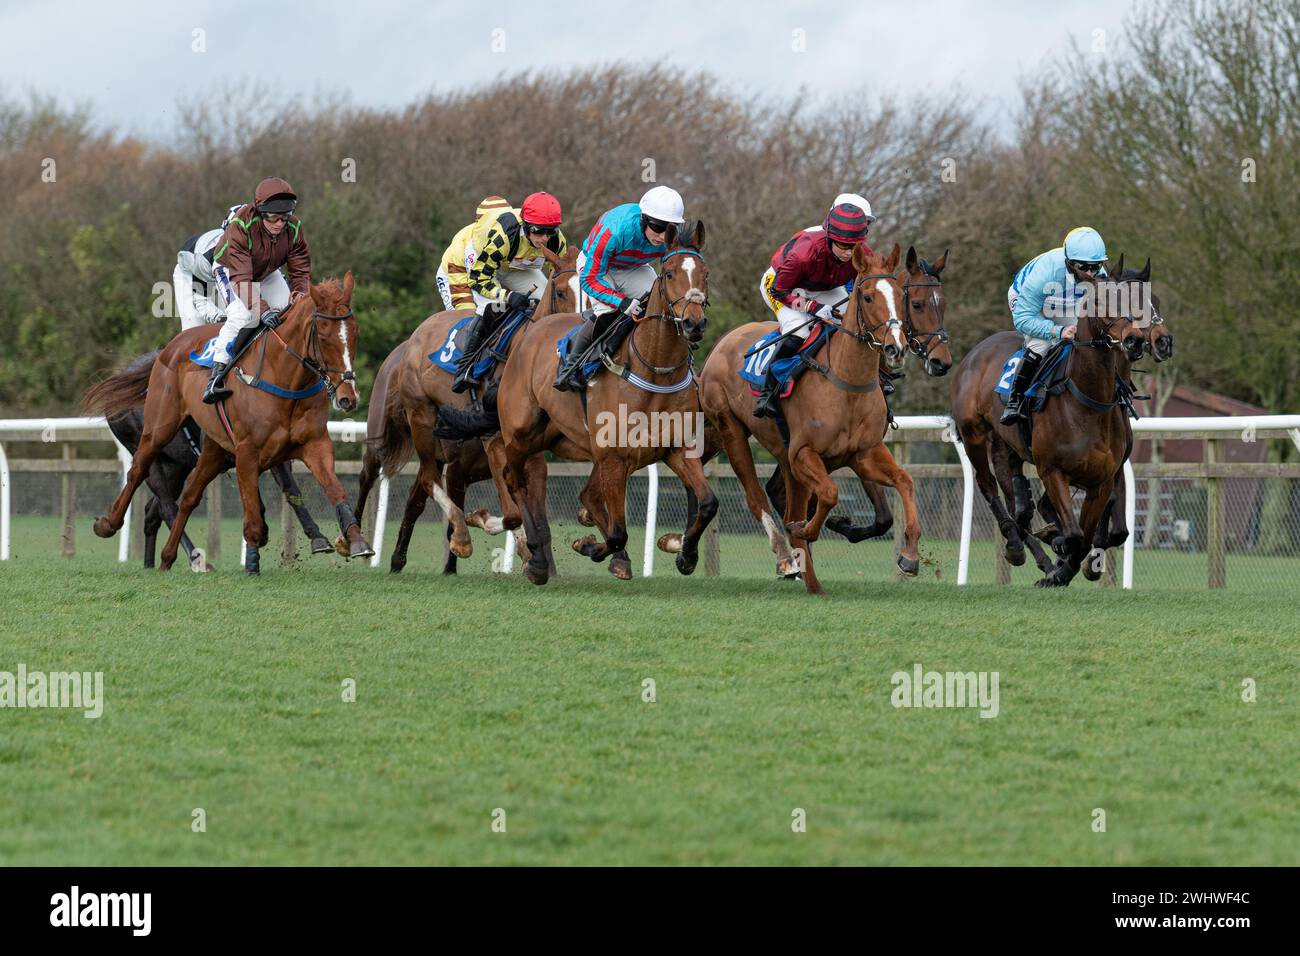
(152, 522)
(456, 488)
(157, 433)
(283, 475)
(736, 441)
(798, 498)
(415, 501)
(611, 477)
(211, 461)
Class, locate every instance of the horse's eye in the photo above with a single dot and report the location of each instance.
(667, 274)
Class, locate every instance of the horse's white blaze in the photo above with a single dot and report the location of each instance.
(347, 351)
(573, 287)
(692, 294)
(887, 292)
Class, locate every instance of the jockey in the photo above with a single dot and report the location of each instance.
(506, 273)
(614, 268)
(194, 280)
(260, 238)
(807, 280)
(1044, 301)
(453, 270)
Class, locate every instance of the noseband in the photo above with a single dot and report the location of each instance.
(922, 344)
(868, 335)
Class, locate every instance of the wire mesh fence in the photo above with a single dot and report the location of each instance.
(1190, 532)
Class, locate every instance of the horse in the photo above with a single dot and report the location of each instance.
(405, 401)
(1082, 440)
(166, 478)
(836, 418)
(650, 377)
(927, 339)
(279, 413)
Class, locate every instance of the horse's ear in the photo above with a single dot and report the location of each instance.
(913, 264)
(1119, 267)
(936, 267)
(552, 258)
(860, 257)
(314, 289)
(348, 285)
(891, 264)
(698, 239)
(1145, 274)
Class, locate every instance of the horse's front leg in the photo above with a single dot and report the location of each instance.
(877, 464)
(1056, 487)
(691, 472)
(283, 475)
(809, 470)
(318, 456)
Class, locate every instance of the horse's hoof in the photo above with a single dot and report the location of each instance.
(584, 545)
(199, 563)
(538, 575)
(908, 566)
(395, 567)
(1094, 564)
(341, 546)
(360, 550)
(621, 568)
(477, 519)
(685, 566)
(103, 528)
(795, 528)
(461, 549)
(787, 569)
(585, 519)
(1015, 556)
(670, 543)
(320, 545)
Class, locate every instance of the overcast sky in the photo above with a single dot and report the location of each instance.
(132, 60)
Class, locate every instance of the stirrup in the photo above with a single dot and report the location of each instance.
(217, 390)
(1014, 412)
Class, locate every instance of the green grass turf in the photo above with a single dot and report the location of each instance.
(485, 692)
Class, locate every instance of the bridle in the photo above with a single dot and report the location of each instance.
(865, 334)
(555, 288)
(313, 361)
(691, 296)
(921, 344)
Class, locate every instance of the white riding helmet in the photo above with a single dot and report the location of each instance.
(853, 199)
(663, 204)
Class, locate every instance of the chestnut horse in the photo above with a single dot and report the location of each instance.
(836, 418)
(923, 310)
(408, 393)
(313, 343)
(655, 383)
(1081, 437)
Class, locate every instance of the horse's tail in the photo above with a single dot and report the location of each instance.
(120, 392)
(462, 424)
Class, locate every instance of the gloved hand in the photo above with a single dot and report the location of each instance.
(519, 300)
(271, 318)
(823, 311)
(631, 308)
(295, 296)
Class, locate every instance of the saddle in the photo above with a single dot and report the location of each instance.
(243, 342)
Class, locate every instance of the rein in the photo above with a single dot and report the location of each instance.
(312, 362)
(690, 297)
(922, 344)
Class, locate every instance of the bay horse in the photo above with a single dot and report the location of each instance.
(405, 401)
(313, 342)
(836, 418)
(649, 379)
(167, 474)
(927, 339)
(1081, 437)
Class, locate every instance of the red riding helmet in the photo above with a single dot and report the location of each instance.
(541, 209)
(846, 224)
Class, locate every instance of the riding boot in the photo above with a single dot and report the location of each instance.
(217, 390)
(887, 378)
(478, 330)
(566, 379)
(768, 404)
(1016, 400)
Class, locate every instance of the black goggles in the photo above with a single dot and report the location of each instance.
(541, 230)
(654, 225)
(1092, 268)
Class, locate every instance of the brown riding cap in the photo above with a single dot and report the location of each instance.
(274, 195)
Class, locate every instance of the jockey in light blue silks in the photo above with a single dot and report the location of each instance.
(1044, 301)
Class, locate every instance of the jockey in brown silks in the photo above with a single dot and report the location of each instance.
(258, 239)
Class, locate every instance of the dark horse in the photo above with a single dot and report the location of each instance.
(1080, 438)
(167, 474)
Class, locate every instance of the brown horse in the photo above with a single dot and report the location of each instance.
(314, 342)
(1080, 438)
(836, 418)
(654, 385)
(923, 311)
(408, 394)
